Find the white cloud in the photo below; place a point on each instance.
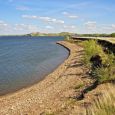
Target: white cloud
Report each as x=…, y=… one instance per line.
x=22, y=8
x=7, y=28
x=113, y=26
x=29, y=17
x=72, y=16
x=82, y=5
x=49, y=27
x=90, y=24
x=108, y=28
x=1, y=21
x=25, y=27
x=69, y=27
x=3, y=25
x=65, y=13
x=45, y=19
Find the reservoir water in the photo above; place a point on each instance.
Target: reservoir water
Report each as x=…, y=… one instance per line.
x=27, y=60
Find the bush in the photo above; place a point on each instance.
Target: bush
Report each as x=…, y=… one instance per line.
x=105, y=74
x=113, y=35
x=92, y=48
x=107, y=71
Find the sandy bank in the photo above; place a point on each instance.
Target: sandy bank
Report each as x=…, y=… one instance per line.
x=51, y=94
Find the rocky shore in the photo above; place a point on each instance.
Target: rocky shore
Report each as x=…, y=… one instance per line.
x=53, y=95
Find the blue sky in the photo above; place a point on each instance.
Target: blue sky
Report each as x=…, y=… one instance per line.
x=50, y=16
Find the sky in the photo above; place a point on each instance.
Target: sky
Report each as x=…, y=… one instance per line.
x=54, y=16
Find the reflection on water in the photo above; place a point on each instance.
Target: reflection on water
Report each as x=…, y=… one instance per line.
x=26, y=60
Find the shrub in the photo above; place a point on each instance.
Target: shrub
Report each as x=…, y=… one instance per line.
x=107, y=71
x=92, y=48
x=105, y=74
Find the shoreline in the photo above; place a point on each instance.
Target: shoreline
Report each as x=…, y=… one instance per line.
x=22, y=89
x=52, y=91
x=40, y=77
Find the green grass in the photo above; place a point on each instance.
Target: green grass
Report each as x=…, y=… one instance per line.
x=68, y=38
x=105, y=74
x=105, y=104
x=92, y=48
x=107, y=71
x=79, y=86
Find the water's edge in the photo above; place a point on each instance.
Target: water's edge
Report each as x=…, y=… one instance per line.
x=43, y=77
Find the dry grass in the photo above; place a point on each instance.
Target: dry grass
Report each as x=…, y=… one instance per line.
x=104, y=105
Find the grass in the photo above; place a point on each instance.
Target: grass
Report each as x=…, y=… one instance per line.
x=107, y=71
x=79, y=86
x=92, y=48
x=68, y=38
x=104, y=105
x=105, y=74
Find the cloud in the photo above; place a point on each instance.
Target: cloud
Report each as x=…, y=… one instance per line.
x=30, y=17
x=22, y=8
x=3, y=25
x=49, y=27
x=70, y=15
x=51, y=20
x=90, y=24
x=81, y=5
x=110, y=28
x=45, y=19
x=69, y=27
x=65, y=13
x=73, y=16
x=25, y=27
x=7, y=28
x=113, y=26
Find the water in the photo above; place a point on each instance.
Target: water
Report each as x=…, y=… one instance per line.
x=27, y=60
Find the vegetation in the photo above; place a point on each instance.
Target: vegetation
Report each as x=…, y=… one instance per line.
x=67, y=33
x=68, y=38
x=97, y=35
x=79, y=86
x=91, y=49
x=49, y=34
x=112, y=35
x=106, y=71
x=104, y=105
